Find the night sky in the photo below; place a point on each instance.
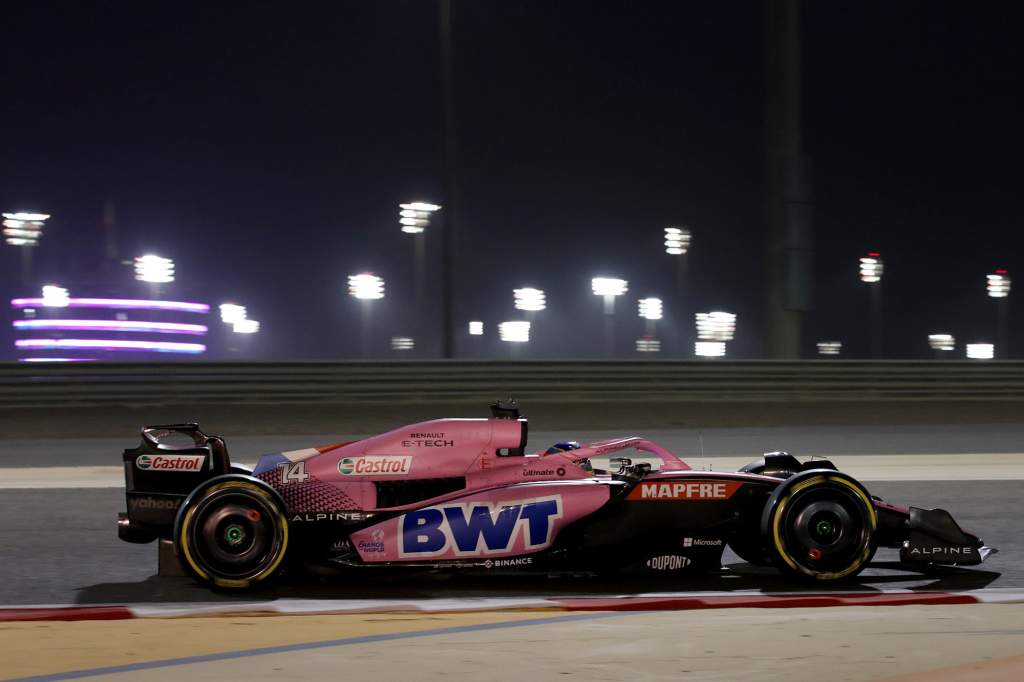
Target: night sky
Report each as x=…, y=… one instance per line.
x=265, y=147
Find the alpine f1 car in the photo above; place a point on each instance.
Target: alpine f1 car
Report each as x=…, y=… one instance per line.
x=464, y=494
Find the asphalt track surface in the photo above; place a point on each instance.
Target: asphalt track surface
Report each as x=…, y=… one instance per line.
x=61, y=547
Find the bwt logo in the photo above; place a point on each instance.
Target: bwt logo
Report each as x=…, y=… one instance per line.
x=479, y=528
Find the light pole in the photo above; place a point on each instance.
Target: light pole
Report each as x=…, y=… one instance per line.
x=713, y=330
x=677, y=244
x=414, y=218
x=871, y=267
x=998, y=286
x=608, y=288
x=941, y=343
x=529, y=300
x=649, y=309
x=366, y=287
x=24, y=229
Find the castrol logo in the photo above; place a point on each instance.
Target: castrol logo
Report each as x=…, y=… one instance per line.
x=190, y=463
x=375, y=466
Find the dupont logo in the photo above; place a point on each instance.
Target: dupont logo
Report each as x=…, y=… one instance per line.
x=668, y=562
x=685, y=490
x=171, y=462
x=377, y=466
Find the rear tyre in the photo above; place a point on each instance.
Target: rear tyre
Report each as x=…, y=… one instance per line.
x=820, y=525
x=232, y=533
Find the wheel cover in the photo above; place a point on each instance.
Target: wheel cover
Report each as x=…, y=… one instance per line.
x=234, y=535
x=824, y=528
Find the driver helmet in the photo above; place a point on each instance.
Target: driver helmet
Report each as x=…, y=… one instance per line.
x=563, y=446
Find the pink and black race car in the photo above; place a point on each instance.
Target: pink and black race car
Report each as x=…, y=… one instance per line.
x=464, y=494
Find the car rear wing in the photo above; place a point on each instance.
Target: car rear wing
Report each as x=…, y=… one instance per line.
x=168, y=464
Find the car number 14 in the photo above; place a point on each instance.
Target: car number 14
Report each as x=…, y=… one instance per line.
x=293, y=472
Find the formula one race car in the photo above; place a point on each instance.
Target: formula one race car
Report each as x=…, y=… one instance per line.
x=463, y=494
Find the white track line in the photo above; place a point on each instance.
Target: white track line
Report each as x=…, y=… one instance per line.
x=965, y=467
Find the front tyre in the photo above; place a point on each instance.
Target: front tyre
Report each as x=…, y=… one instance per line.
x=232, y=533
x=820, y=525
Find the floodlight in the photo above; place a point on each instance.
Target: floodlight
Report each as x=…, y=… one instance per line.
x=366, y=286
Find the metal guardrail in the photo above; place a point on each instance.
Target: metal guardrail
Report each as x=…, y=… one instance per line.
x=33, y=385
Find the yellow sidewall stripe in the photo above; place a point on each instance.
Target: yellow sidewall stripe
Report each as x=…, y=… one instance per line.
x=780, y=545
x=226, y=582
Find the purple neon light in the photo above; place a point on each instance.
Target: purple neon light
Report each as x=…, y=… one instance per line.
x=56, y=359
x=113, y=344
x=139, y=304
x=112, y=326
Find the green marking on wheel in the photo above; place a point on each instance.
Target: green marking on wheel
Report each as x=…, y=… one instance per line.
x=234, y=535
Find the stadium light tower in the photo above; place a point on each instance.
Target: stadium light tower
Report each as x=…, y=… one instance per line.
x=515, y=333
x=649, y=309
x=677, y=244
x=24, y=228
x=941, y=343
x=414, y=219
x=713, y=330
x=529, y=299
x=609, y=288
x=366, y=287
x=832, y=348
x=998, y=286
x=980, y=351
x=871, y=267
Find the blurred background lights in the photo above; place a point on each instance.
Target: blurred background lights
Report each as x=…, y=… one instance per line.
x=830, y=347
x=402, y=343
x=871, y=268
x=55, y=296
x=415, y=217
x=529, y=299
x=709, y=349
x=677, y=241
x=517, y=331
x=476, y=328
x=366, y=286
x=609, y=286
x=998, y=284
x=980, y=351
x=23, y=229
x=941, y=342
x=648, y=345
x=231, y=313
x=716, y=326
x=154, y=269
x=245, y=326
x=650, y=308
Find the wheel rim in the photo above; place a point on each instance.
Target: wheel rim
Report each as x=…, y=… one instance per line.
x=235, y=535
x=826, y=531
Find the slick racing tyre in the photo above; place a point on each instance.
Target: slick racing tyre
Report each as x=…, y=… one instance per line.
x=232, y=533
x=820, y=525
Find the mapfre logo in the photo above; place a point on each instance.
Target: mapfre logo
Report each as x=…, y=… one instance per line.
x=171, y=462
x=375, y=466
x=685, y=490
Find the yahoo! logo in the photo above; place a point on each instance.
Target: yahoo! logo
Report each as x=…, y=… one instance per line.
x=479, y=528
